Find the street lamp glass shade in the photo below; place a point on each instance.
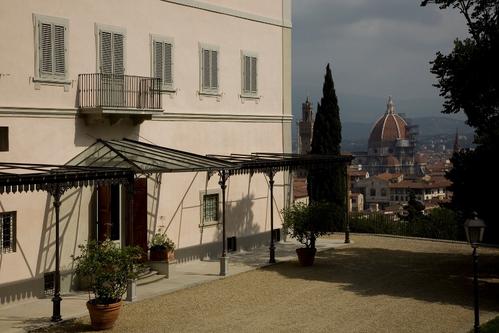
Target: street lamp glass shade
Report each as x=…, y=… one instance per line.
x=474, y=230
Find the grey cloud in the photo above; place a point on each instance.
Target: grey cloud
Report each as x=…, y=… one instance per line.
x=377, y=47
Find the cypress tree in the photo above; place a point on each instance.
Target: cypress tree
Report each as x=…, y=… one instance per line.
x=327, y=184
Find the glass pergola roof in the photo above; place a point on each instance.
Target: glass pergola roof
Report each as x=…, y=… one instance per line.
x=120, y=159
x=145, y=158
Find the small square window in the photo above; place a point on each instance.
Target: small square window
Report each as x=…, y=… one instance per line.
x=8, y=232
x=210, y=208
x=4, y=138
x=49, y=283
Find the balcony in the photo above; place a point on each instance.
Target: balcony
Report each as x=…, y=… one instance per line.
x=111, y=97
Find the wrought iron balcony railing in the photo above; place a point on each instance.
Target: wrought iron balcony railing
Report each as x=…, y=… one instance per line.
x=118, y=91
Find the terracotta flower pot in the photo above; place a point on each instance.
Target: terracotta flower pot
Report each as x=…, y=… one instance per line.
x=161, y=254
x=306, y=256
x=103, y=316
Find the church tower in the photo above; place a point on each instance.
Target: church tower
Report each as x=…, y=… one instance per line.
x=305, y=127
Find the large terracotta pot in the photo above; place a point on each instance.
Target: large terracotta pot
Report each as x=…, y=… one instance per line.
x=103, y=316
x=161, y=254
x=306, y=256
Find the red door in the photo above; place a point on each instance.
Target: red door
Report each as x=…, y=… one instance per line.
x=139, y=224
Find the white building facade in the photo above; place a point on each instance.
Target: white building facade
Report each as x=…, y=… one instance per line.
x=72, y=72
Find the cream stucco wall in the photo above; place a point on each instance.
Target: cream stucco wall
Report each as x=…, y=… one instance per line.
x=44, y=125
x=187, y=26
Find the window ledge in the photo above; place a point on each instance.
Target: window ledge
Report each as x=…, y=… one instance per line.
x=252, y=97
x=52, y=82
x=210, y=224
x=169, y=90
x=214, y=94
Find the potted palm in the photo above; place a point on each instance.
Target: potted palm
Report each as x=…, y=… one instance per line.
x=306, y=223
x=161, y=247
x=107, y=269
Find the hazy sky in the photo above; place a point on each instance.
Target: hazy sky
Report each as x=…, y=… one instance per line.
x=376, y=47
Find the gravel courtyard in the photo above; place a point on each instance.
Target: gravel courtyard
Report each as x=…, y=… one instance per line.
x=377, y=284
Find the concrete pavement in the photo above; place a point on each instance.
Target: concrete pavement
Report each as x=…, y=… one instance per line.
x=34, y=314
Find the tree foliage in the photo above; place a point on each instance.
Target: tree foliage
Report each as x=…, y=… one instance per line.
x=307, y=222
x=414, y=207
x=107, y=268
x=328, y=184
x=468, y=79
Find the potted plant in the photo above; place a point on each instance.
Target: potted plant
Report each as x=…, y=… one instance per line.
x=107, y=268
x=161, y=247
x=306, y=223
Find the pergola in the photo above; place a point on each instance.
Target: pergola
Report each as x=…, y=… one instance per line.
x=117, y=161
x=55, y=180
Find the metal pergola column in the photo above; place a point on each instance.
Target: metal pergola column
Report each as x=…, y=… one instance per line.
x=271, y=175
x=57, y=191
x=347, y=217
x=224, y=260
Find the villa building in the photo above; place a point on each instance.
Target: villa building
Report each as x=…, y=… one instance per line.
x=196, y=76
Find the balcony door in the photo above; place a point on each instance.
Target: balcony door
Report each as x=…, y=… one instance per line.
x=112, y=68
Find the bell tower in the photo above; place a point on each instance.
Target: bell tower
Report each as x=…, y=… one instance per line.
x=305, y=127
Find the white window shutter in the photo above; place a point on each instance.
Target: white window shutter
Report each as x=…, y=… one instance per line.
x=59, y=50
x=205, y=70
x=106, y=62
x=247, y=74
x=158, y=59
x=118, y=54
x=168, y=75
x=45, y=43
x=253, y=74
x=214, y=69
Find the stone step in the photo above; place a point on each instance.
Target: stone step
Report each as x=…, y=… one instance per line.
x=150, y=279
x=145, y=270
x=147, y=274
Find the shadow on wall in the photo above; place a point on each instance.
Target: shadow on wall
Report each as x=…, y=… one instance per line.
x=85, y=135
x=153, y=200
x=70, y=226
x=239, y=221
x=424, y=276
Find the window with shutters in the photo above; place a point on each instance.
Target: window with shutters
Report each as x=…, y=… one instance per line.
x=111, y=64
x=209, y=69
x=8, y=232
x=249, y=76
x=51, y=45
x=162, y=60
x=111, y=50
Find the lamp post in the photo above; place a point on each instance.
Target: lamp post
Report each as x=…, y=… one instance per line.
x=474, y=228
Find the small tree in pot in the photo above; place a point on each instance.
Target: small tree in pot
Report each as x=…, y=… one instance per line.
x=107, y=268
x=306, y=223
x=161, y=247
